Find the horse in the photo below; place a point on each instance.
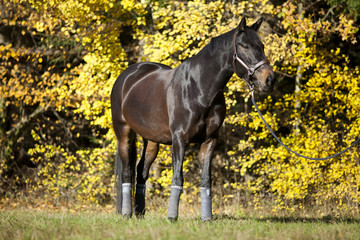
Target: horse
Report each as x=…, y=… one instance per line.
x=178, y=106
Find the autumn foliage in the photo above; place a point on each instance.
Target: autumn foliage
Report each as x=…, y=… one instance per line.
x=56, y=76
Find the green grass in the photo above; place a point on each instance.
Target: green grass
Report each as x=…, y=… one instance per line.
x=26, y=224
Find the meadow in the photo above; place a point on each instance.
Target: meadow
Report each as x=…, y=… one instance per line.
x=41, y=224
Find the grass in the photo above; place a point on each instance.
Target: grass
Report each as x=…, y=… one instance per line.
x=34, y=224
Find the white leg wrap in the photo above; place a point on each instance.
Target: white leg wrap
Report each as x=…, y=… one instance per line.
x=173, y=209
x=126, y=199
x=206, y=209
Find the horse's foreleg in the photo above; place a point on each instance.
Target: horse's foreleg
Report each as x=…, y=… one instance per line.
x=205, y=155
x=148, y=156
x=178, y=151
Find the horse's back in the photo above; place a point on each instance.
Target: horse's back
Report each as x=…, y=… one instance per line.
x=139, y=97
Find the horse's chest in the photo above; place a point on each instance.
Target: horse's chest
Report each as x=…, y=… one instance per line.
x=198, y=123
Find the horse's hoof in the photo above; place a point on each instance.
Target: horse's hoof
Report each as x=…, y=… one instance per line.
x=172, y=219
x=139, y=212
x=207, y=220
x=126, y=216
x=140, y=216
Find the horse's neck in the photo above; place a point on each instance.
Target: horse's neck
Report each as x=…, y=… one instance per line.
x=215, y=67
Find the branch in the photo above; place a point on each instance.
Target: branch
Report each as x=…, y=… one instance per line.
x=39, y=110
x=63, y=121
x=284, y=74
x=328, y=12
x=15, y=130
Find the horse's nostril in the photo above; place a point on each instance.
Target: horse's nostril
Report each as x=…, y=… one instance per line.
x=268, y=81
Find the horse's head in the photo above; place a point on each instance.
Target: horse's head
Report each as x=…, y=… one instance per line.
x=249, y=61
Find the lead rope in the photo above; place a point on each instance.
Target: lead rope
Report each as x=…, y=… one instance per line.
x=297, y=154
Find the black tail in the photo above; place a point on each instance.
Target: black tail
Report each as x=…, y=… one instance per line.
x=118, y=181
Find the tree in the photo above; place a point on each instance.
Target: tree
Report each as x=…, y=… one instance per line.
x=30, y=84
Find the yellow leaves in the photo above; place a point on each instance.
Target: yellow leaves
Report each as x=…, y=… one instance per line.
x=129, y=4
x=35, y=137
x=347, y=29
x=189, y=25
x=40, y=26
x=82, y=174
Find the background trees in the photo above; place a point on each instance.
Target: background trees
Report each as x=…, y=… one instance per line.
x=59, y=60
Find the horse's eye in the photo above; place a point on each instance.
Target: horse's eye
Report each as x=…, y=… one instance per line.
x=243, y=45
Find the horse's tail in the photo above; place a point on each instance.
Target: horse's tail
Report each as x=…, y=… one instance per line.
x=118, y=181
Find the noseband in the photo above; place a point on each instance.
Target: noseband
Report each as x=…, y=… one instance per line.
x=250, y=70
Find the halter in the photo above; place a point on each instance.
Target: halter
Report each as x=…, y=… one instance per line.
x=250, y=70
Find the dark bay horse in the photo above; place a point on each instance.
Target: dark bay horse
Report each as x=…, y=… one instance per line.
x=180, y=106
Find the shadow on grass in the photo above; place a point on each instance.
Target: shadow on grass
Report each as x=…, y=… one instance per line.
x=325, y=219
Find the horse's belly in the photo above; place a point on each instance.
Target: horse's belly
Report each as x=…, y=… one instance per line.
x=148, y=128
x=144, y=109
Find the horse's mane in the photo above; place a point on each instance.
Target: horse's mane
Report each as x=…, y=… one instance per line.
x=219, y=43
x=222, y=41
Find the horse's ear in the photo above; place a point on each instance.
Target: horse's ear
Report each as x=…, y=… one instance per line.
x=257, y=25
x=242, y=25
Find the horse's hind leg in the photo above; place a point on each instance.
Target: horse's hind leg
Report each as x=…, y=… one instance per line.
x=127, y=153
x=149, y=154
